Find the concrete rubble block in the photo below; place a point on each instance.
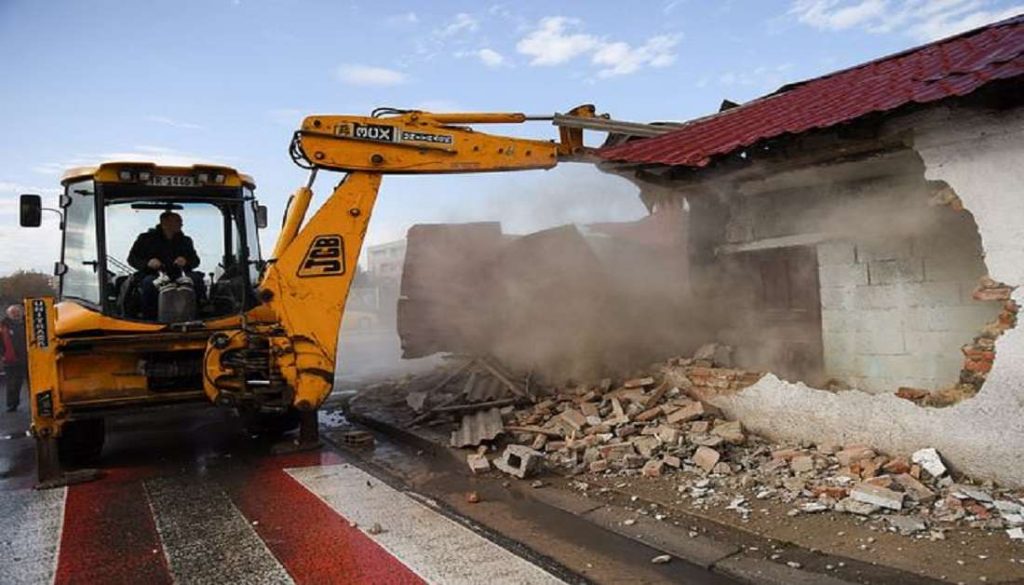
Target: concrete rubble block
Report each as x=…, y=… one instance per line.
x=415, y=400
x=878, y=496
x=672, y=461
x=852, y=506
x=914, y=489
x=598, y=466
x=668, y=435
x=520, y=461
x=638, y=382
x=973, y=493
x=589, y=409
x=478, y=463
x=907, y=524
x=930, y=461
x=706, y=458
x=855, y=453
x=802, y=463
x=721, y=468
x=653, y=468
x=704, y=440
x=731, y=432
x=700, y=426
x=646, y=446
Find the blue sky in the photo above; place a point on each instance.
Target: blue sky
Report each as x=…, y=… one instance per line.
x=229, y=80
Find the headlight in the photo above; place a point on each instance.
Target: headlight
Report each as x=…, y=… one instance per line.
x=124, y=175
x=145, y=176
x=203, y=178
x=219, y=178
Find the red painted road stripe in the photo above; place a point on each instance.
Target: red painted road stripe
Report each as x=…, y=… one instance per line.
x=311, y=540
x=109, y=535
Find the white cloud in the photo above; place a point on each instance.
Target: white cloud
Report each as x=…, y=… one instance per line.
x=174, y=123
x=837, y=15
x=557, y=40
x=924, y=20
x=462, y=22
x=366, y=76
x=622, y=59
x=490, y=57
x=551, y=44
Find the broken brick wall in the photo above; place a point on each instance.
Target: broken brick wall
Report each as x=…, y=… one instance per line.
x=893, y=301
x=565, y=302
x=977, y=154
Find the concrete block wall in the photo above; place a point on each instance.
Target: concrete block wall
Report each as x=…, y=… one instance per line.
x=895, y=312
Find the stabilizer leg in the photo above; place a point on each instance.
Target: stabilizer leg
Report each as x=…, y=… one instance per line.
x=309, y=435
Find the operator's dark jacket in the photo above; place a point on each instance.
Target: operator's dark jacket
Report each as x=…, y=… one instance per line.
x=153, y=244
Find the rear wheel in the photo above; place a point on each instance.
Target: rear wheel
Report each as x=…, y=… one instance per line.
x=81, y=441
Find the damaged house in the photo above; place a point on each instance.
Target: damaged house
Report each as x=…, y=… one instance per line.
x=857, y=240
x=863, y=233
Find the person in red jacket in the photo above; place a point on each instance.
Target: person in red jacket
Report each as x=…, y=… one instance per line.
x=12, y=335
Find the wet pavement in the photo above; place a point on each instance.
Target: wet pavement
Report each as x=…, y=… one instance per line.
x=188, y=497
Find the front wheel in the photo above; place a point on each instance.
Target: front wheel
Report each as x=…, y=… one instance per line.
x=81, y=441
x=271, y=425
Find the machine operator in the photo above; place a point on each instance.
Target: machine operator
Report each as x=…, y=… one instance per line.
x=164, y=249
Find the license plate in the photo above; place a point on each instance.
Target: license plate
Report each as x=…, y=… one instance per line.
x=172, y=181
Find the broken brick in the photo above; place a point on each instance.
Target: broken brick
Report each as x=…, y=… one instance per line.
x=649, y=414
x=912, y=394
x=854, y=453
x=574, y=419
x=652, y=468
x=731, y=432
x=706, y=458
x=687, y=413
x=897, y=466
x=639, y=382
x=914, y=489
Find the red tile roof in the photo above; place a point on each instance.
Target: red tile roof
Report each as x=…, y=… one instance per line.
x=949, y=67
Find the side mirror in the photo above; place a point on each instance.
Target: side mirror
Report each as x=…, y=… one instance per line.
x=261, y=216
x=31, y=207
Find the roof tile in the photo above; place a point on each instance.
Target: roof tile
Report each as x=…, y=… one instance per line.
x=950, y=67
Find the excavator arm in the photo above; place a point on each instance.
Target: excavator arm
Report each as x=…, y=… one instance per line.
x=307, y=280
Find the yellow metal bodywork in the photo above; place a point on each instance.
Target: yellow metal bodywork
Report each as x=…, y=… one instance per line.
x=314, y=261
x=89, y=360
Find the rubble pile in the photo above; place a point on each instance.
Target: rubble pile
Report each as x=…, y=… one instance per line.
x=660, y=425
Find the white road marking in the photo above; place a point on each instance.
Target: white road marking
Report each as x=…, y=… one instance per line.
x=205, y=537
x=433, y=546
x=30, y=527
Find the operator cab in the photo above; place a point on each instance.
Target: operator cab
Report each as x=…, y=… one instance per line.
x=107, y=208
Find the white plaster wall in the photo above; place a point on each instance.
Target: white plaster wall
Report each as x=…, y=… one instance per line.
x=979, y=156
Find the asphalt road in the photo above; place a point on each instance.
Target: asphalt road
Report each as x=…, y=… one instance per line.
x=188, y=497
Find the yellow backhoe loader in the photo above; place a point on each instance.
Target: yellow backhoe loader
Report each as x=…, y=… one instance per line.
x=251, y=334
